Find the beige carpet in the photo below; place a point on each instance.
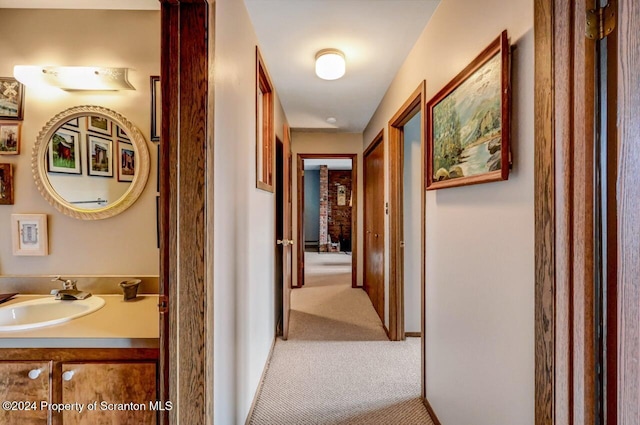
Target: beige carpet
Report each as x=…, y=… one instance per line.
x=338, y=366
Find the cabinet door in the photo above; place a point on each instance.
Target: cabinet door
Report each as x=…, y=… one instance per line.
x=24, y=382
x=122, y=393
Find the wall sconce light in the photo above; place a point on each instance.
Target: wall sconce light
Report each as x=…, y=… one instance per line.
x=73, y=77
x=330, y=64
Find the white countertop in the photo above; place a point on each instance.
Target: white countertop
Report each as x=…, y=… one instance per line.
x=119, y=324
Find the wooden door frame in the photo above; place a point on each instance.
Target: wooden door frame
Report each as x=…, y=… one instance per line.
x=414, y=104
x=354, y=211
x=287, y=231
x=564, y=197
x=377, y=141
x=186, y=208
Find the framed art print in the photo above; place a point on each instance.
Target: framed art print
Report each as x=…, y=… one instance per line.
x=11, y=99
x=29, y=234
x=6, y=184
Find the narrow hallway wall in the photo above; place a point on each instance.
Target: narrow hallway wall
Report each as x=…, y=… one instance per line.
x=244, y=239
x=480, y=239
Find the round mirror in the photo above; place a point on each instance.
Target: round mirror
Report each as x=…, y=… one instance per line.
x=90, y=162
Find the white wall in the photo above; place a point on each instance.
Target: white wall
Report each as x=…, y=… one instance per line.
x=323, y=142
x=480, y=239
x=244, y=236
x=82, y=37
x=412, y=226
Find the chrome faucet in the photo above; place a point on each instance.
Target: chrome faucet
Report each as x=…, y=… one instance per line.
x=66, y=284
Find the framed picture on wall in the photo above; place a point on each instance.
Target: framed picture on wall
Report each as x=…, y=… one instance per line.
x=156, y=108
x=468, y=124
x=100, y=125
x=29, y=234
x=99, y=156
x=6, y=184
x=63, y=152
x=126, y=162
x=11, y=99
x=10, y=137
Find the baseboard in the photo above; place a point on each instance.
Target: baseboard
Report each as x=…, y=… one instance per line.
x=413, y=334
x=433, y=415
x=259, y=389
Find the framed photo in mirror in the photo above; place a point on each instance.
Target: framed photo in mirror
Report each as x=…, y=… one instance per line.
x=11, y=99
x=6, y=184
x=10, y=137
x=126, y=162
x=29, y=234
x=63, y=152
x=120, y=133
x=99, y=156
x=99, y=124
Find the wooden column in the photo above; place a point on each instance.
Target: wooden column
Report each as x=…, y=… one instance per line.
x=186, y=210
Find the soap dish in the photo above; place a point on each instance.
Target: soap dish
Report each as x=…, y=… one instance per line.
x=130, y=288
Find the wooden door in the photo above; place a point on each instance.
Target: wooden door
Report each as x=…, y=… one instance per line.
x=374, y=211
x=24, y=382
x=114, y=386
x=287, y=252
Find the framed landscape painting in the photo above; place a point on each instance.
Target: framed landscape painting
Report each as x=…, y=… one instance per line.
x=468, y=124
x=63, y=153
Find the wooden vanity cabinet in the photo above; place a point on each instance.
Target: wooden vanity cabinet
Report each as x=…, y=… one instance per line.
x=119, y=381
x=23, y=386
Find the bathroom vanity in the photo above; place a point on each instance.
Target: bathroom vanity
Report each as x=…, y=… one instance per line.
x=100, y=368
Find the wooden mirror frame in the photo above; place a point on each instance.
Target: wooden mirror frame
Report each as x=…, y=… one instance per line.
x=39, y=164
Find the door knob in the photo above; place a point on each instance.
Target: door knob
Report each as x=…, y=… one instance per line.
x=34, y=373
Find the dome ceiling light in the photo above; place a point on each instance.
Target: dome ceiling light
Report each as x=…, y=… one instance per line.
x=330, y=64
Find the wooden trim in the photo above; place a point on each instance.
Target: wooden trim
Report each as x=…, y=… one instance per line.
x=261, y=383
x=354, y=211
x=374, y=143
x=431, y=412
x=186, y=195
x=300, y=218
x=413, y=334
x=628, y=215
x=413, y=105
x=79, y=354
x=267, y=143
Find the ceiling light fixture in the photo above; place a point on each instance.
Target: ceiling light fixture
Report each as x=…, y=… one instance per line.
x=332, y=120
x=330, y=64
x=73, y=77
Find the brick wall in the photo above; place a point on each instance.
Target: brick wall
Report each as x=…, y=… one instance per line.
x=324, y=207
x=339, y=220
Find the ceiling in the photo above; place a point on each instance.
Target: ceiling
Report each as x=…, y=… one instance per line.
x=375, y=36
x=331, y=163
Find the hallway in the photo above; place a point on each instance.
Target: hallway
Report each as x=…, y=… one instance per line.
x=338, y=366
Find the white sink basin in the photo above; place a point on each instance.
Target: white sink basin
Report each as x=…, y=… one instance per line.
x=45, y=312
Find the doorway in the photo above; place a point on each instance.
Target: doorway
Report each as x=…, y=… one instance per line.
x=406, y=196
x=327, y=212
